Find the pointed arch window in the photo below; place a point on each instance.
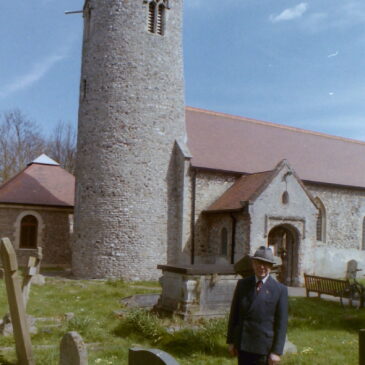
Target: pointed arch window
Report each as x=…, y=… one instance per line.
x=321, y=221
x=28, y=232
x=224, y=242
x=157, y=16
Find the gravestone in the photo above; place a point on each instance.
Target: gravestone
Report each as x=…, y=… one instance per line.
x=138, y=356
x=352, y=270
x=16, y=304
x=31, y=272
x=73, y=350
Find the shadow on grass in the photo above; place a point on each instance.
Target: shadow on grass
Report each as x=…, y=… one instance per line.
x=316, y=313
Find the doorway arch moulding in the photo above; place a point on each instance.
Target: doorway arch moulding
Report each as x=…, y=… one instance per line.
x=272, y=221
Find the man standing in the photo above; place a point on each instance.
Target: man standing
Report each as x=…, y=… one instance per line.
x=259, y=315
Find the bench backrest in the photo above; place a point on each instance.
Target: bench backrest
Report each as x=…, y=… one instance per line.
x=326, y=285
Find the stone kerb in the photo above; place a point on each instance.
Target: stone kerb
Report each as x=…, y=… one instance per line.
x=73, y=350
x=138, y=356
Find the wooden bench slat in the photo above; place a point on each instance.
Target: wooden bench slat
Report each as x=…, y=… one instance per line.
x=323, y=285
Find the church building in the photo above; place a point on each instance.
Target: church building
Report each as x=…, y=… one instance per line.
x=161, y=183
x=158, y=183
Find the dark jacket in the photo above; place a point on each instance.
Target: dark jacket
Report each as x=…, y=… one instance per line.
x=258, y=321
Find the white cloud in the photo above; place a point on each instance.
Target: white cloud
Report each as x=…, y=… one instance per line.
x=333, y=54
x=290, y=13
x=37, y=71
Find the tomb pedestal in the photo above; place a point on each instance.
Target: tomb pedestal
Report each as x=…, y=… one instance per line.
x=196, y=291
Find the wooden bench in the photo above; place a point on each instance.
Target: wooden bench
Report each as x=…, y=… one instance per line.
x=322, y=285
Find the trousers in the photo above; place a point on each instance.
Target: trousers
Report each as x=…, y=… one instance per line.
x=248, y=358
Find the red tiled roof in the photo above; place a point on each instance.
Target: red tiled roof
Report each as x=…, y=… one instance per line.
x=40, y=184
x=230, y=143
x=243, y=190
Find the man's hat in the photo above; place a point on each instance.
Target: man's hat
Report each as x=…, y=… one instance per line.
x=264, y=254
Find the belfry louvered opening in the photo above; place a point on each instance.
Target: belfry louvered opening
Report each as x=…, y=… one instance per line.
x=156, y=16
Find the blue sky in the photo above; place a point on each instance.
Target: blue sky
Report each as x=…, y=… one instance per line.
x=289, y=62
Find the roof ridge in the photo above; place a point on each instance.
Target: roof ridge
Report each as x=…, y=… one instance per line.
x=6, y=182
x=275, y=125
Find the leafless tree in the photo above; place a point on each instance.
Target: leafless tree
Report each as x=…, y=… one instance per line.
x=20, y=142
x=61, y=145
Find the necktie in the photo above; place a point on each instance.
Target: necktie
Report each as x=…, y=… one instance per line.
x=259, y=285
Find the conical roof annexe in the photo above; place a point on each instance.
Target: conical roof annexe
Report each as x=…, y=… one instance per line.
x=43, y=182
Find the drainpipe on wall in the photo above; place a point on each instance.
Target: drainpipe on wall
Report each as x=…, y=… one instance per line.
x=192, y=228
x=234, y=223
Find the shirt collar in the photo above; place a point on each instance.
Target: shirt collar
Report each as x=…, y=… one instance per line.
x=263, y=280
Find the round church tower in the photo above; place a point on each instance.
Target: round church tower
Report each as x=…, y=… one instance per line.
x=131, y=112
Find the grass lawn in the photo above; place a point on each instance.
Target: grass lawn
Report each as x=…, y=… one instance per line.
x=324, y=332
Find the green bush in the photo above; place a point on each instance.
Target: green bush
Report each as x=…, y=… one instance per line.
x=208, y=338
x=80, y=324
x=143, y=324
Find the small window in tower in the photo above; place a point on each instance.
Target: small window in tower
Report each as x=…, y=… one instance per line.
x=28, y=232
x=84, y=89
x=156, y=16
x=151, y=17
x=161, y=19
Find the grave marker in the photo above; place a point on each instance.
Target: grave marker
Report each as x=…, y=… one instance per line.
x=16, y=303
x=138, y=356
x=32, y=269
x=351, y=270
x=73, y=350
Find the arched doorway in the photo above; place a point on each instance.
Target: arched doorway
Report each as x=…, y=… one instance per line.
x=283, y=240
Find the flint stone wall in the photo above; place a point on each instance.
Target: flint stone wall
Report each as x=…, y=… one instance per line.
x=209, y=186
x=53, y=233
x=345, y=212
x=132, y=110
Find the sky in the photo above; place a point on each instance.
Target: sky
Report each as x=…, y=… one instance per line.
x=298, y=63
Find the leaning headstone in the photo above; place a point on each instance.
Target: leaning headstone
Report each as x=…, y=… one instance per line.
x=73, y=350
x=138, y=356
x=351, y=269
x=38, y=278
x=16, y=303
